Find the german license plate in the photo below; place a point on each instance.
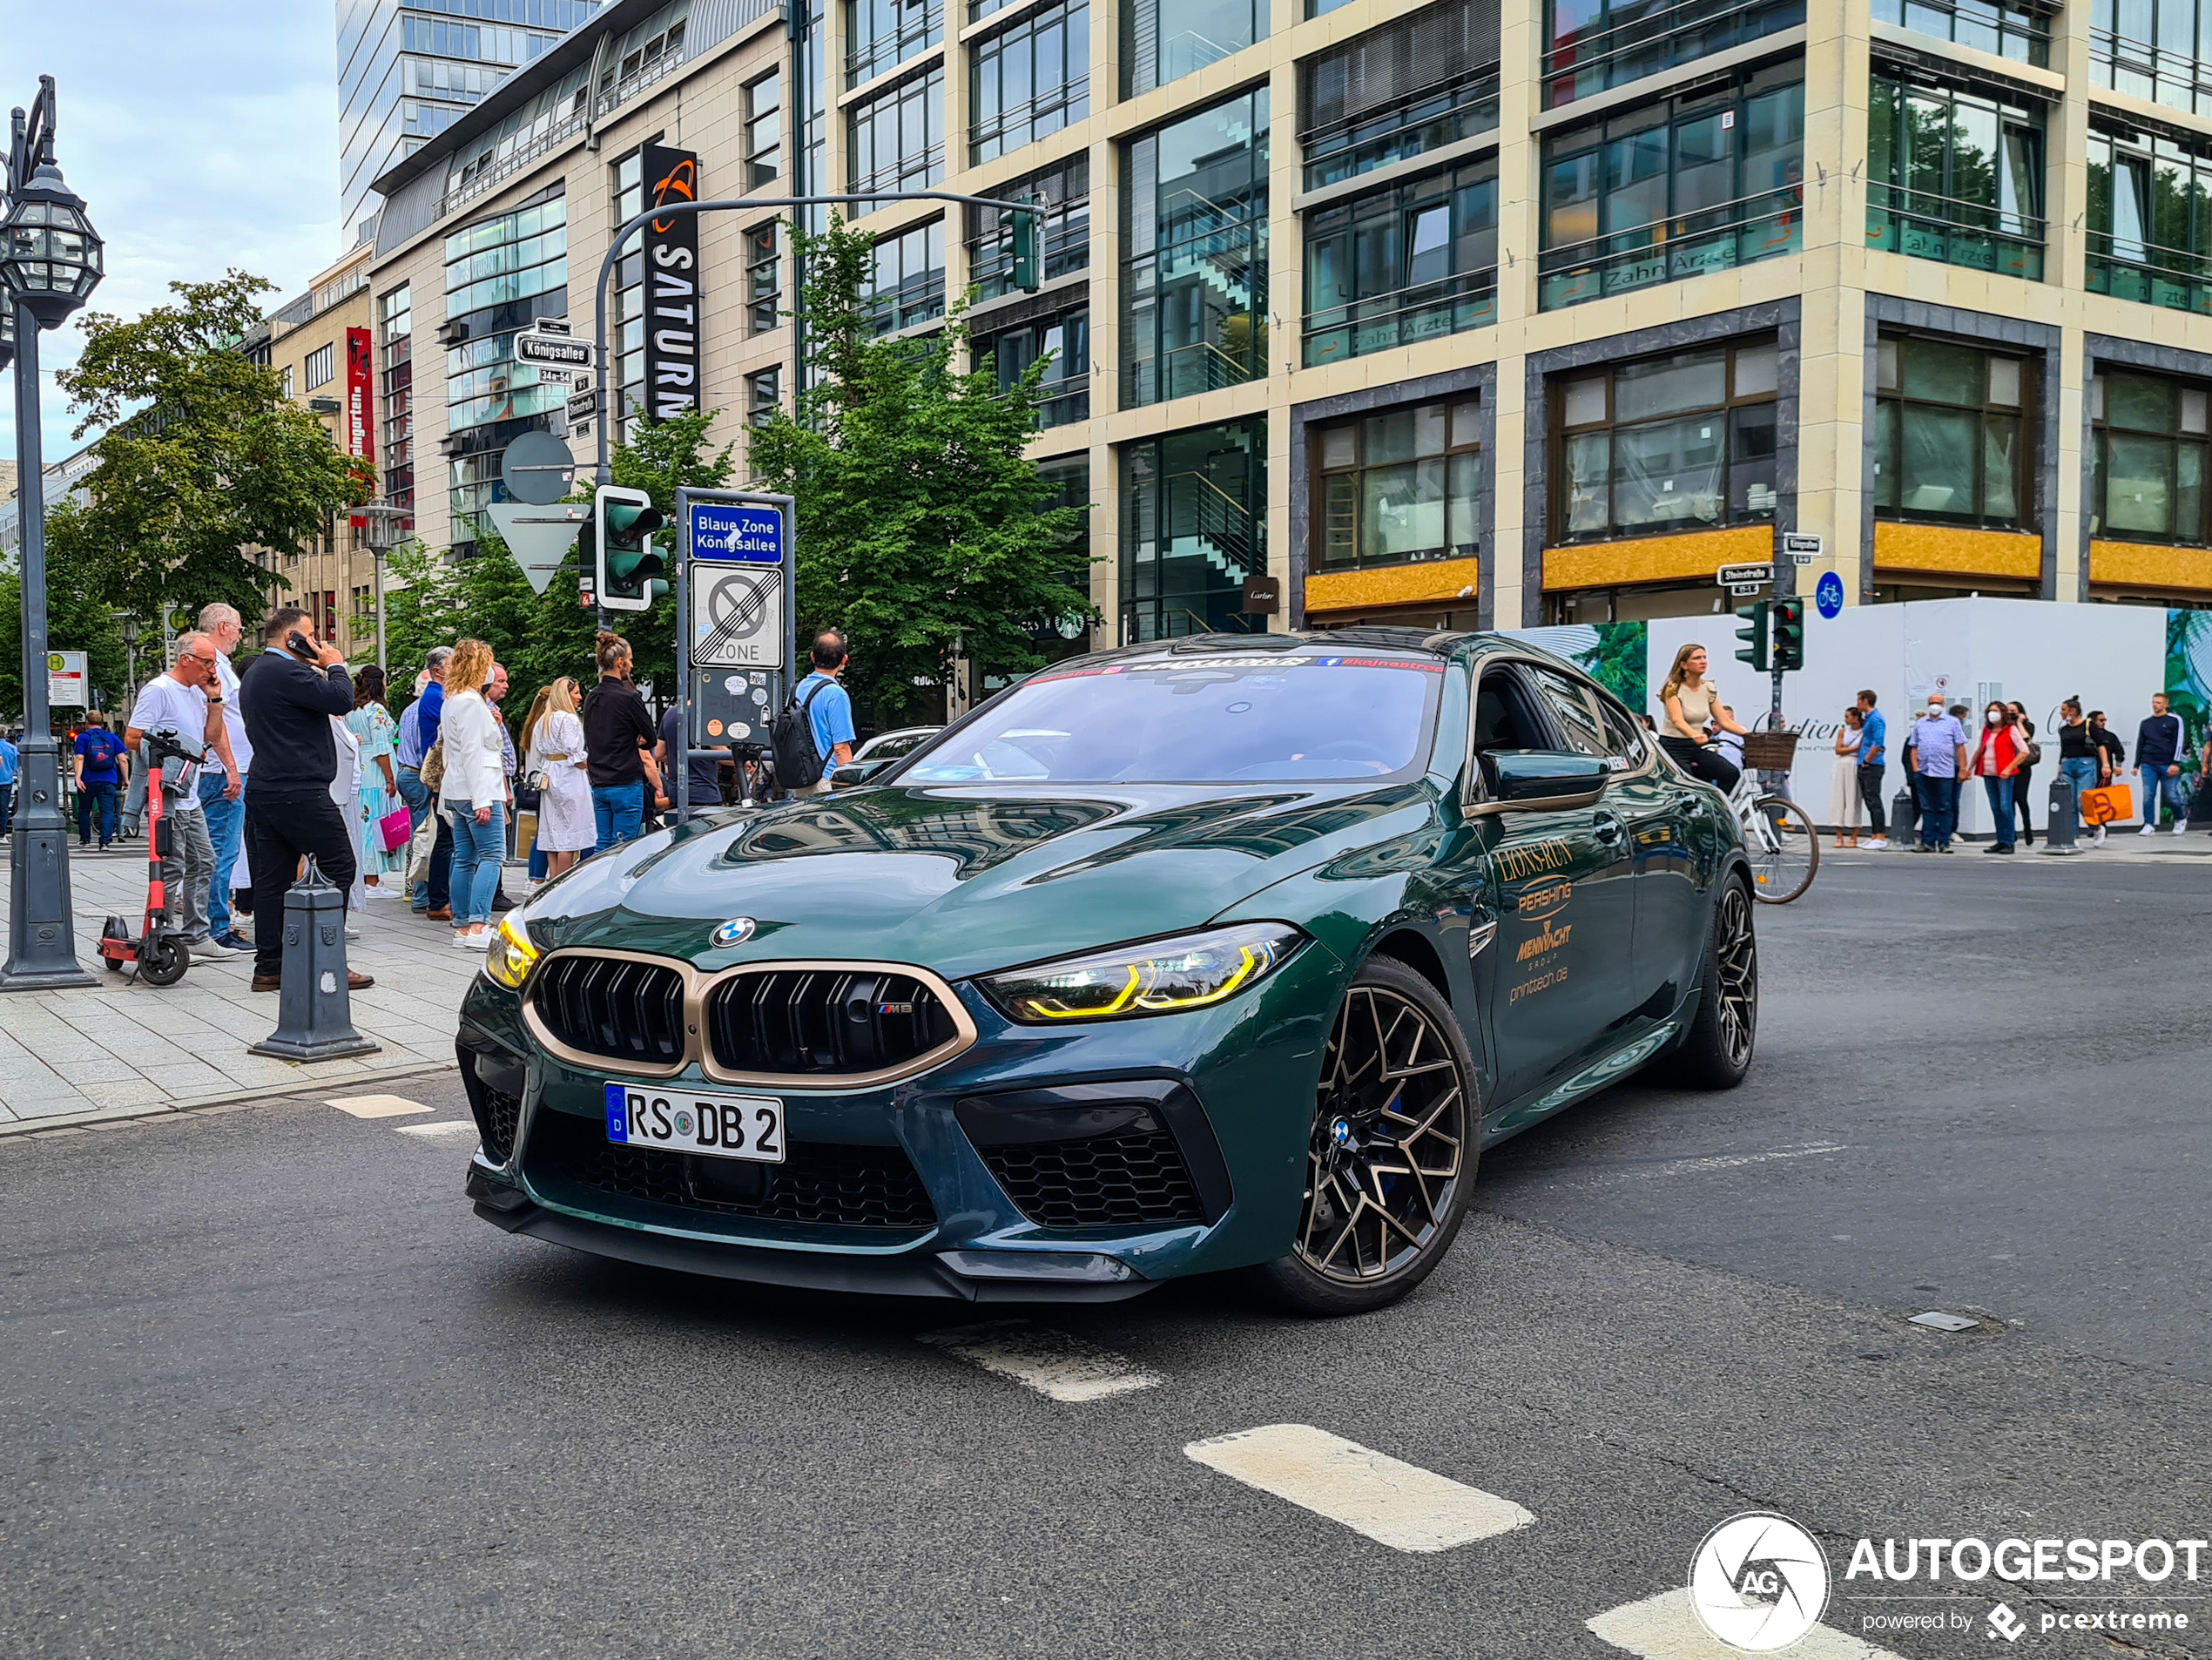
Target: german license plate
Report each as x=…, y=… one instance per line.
x=713, y=1126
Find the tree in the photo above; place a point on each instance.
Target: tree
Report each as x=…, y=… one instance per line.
x=922, y=524
x=77, y=620
x=202, y=457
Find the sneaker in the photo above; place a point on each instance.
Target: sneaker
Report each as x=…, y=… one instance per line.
x=1945, y=848
x=2100, y=836
x=472, y=941
x=234, y=941
x=2004, y=847
x=208, y=951
x=1997, y=846
x=2181, y=826
x=1876, y=843
x=2148, y=830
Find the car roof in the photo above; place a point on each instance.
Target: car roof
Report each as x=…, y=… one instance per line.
x=1415, y=642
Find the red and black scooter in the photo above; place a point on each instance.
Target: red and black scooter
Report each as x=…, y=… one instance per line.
x=159, y=950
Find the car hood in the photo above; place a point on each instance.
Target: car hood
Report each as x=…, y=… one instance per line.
x=963, y=880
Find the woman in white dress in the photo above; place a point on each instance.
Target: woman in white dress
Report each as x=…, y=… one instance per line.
x=553, y=745
x=1844, y=800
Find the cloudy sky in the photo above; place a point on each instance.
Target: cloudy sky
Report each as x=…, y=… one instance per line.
x=202, y=134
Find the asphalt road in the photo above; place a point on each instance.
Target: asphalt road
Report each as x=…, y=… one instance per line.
x=270, y=1390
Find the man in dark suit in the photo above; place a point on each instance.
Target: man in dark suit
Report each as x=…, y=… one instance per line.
x=289, y=696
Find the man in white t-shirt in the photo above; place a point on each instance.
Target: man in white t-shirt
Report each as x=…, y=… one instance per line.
x=222, y=787
x=181, y=701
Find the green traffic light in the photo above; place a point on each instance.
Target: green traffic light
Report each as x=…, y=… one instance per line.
x=1753, y=634
x=630, y=568
x=1027, y=228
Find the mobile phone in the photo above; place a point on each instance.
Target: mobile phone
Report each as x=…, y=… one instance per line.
x=297, y=645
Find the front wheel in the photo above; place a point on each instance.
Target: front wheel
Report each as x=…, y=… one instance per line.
x=1784, y=849
x=163, y=960
x=1390, y=1163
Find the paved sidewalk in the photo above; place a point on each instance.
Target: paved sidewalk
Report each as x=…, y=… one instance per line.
x=121, y=1049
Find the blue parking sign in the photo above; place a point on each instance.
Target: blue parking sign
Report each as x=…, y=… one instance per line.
x=734, y=534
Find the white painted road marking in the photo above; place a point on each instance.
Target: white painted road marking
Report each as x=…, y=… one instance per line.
x=1664, y=1628
x=1050, y=1362
x=376, y=1106
x=1722, y=1161
x=438, y=1131
x=1396, y=1504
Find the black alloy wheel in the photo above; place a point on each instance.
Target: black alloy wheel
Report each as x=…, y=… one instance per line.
x=1716, y=1053
x=1390, y=1164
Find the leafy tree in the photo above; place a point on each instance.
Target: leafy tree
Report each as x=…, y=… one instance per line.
x=922, y=522
x=77, y=620
x=202, y=457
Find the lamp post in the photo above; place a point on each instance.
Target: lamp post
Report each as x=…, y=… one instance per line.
x=131, y=656
x=50, y=260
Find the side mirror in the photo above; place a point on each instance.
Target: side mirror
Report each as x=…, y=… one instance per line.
x=852, y=774
x=1530, y=778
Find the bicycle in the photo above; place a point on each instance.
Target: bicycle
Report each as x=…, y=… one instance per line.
x=1784, y=846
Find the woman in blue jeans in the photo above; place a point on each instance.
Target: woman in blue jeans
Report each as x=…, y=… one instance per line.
x=618, y=739
x=2082, y=762
x=473, y=793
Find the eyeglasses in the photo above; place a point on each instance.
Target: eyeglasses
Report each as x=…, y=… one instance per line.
x=208, y=661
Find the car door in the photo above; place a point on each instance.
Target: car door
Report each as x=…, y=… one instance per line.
x=1564, y=901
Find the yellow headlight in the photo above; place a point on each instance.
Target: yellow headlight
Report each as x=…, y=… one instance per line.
x=1162, y=978
x=508, y=957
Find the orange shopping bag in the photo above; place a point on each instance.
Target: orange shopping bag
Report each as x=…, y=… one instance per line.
x=2108, y=805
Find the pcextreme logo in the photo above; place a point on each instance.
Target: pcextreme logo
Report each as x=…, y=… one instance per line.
x=1758, y=1582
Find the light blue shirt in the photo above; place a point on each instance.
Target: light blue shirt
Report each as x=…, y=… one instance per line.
x=10, y=762
x=830, y=714
x=1872, y=747
x=1938, y=738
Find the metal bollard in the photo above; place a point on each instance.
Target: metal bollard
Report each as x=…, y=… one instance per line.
x=2064, y=817
x=314, y=1007
x=1905, y=819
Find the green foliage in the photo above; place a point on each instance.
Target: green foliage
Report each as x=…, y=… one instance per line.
x=77, y=620
x=2188, y=669
x=1616, y=662
x=921, y=519
x=203, y=457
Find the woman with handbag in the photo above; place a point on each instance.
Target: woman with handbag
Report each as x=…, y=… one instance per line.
x=2024, y=781
x=383, y=821
x=553, y=742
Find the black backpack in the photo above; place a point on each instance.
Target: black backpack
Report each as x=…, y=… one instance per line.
x=799, y=764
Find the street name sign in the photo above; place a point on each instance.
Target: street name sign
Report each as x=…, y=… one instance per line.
x=733, y=533
x=583, y=406
x=1803, y=547
x=1750, y=574
x=542, y=350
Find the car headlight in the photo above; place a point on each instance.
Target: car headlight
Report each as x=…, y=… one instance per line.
x=508, y=957
x=1158, y=977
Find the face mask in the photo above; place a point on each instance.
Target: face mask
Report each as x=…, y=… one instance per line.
x=1995, y=720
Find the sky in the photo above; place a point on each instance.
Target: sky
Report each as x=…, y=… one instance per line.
x=202, y=134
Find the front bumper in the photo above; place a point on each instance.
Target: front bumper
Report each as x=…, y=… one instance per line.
x=1204, y=1118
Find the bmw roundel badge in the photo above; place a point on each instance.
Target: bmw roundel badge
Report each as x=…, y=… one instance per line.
x=736, y=931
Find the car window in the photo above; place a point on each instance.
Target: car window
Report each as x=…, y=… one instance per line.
x=1502, y=717
x=1630, y=742
x=1576, y=714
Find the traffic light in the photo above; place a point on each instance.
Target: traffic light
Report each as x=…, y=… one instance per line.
x=1789, y=634
x=631, y=572
x=1753, y=633
x=1028, y=228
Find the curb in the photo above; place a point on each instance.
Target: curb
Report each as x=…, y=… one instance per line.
x=77, y=1122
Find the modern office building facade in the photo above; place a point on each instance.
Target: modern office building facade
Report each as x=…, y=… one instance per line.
x=1475, y=312
x=408, y=68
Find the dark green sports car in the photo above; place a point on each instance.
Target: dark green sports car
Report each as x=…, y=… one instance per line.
x=1224, y=952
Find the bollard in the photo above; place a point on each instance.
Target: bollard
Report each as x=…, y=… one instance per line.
x=1905, y=819
x=314, y=1007
x=2063, y=818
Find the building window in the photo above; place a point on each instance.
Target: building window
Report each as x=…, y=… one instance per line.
x=284, y=382
x=2154, y=49
x=1591, y=45
x=2150, y=223
x=1402, y=265
x=395, y=324
x=1955, y=175
x=1408, y=87
x=1950, y=433
x=1064, y=393
x=1194, y=525
x=764, y=280
x=909, y=282
x=321, y=367
x=1675, y=188
x=513, y=257
x=501, y=274
x=882, y=34
x=1680, y=443
x=763, y=132
x=1029, y=80
x=763, y=396
x=1161, y=45
x=2021, y=33
x=1064, y=191
x=896, y=141
x=1194, y=235
x=1398, y=488
x=2147, y=471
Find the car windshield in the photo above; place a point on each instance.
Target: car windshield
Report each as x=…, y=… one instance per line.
x=1196, y=720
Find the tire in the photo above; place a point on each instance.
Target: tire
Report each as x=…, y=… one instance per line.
x=1716, y=1051
x=163, y=962
x=1394, y=1042
x=1779, y=876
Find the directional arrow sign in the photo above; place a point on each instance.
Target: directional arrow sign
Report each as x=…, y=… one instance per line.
x=540, y=537
x=554, y=351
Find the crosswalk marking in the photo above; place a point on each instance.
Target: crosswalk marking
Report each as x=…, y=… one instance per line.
x=1664, y=1628
x=439, y=1132
x=1394, y=1503
x=376, y=1106
x=1052, y=1363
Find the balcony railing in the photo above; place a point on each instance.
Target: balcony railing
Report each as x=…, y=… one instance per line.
x=993, y=134
x=2154, y=276
x=1435, y=116
x=1071, y=402
x=2019, y=32
x=1973, y=235
x=1425, y=311
x=1763, y=226
x=2140, y=70
x=1645, y=45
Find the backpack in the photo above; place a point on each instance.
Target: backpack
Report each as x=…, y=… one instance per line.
x=799, y=764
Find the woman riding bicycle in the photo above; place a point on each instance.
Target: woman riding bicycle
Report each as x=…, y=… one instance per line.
x=1694, y=716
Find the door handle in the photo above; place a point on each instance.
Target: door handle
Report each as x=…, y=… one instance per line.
x=1607, y=830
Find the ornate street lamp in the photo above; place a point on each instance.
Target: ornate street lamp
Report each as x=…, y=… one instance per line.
x=50, y=260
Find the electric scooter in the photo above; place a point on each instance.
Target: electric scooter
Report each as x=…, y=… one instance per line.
x=159, y=951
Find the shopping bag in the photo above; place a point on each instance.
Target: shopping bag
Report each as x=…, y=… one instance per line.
x=393, y=827
x=419, y=850
x=2108, y=805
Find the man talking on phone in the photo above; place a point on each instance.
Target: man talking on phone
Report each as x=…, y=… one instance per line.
x=290, y=694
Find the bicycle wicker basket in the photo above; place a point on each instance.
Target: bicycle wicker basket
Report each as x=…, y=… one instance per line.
x=1769, y=751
